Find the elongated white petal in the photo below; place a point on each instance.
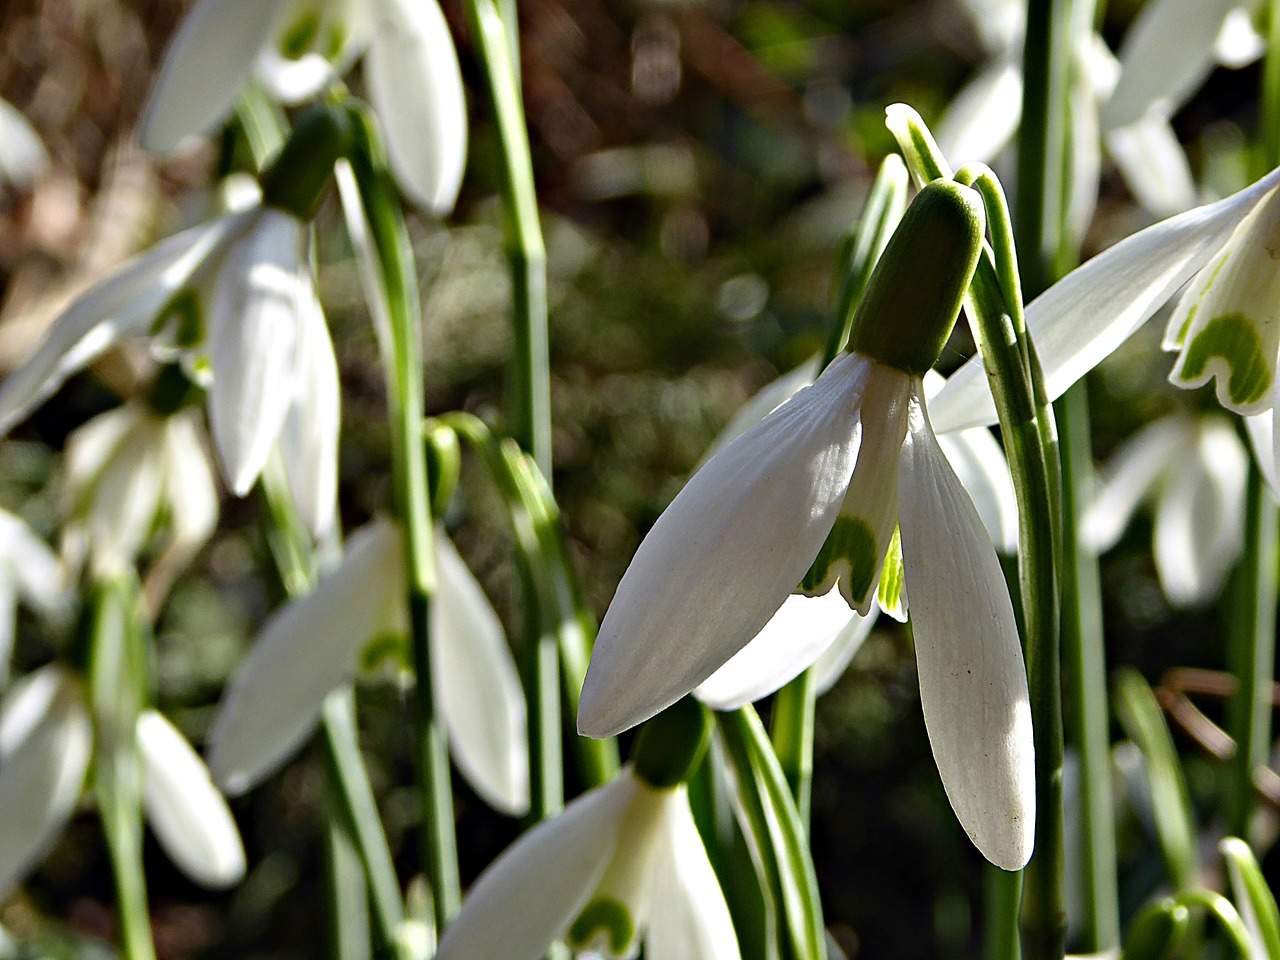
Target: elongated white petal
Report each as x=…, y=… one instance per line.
x=22, y=154
x=979, y=462
x=1261, y=430
x=186, y=811
x=1086, y=153
x=45, y=740
x=984, y=115
x=688, y=917
x=1166, y=55
x=416, y=87
x=477, y=686
x=973, y=684
x=303, y=651
x=1078, y=321
x=768, y=399
x=725, y=554
x=309, y=437
x=191, y=493
x=34, y=567
x=126, y=495
x=1130, y=475
x=124, y=304
x=530, y=894
x=1154, y=165
x=799, y=633
x=253, y=343
x=1199, y=526
x=830, y=667
x=205, y=68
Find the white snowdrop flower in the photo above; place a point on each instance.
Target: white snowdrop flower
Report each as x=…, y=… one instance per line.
x=22, y=154
x=29, y=572
x=298, y=47
x=1226, y=324
x=811, y=496
x=313, y=644
x=621, y=864
x=1196, y=470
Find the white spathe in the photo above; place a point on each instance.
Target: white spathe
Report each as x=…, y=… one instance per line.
x=312, y=645
x=626, y=843
x=298, y=47
x=748, y=527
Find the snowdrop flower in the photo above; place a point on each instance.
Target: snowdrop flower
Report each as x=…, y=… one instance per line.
x=1196, y=469
x=46, y=741
x=313, y=645
x=298, y=47
x=621, y=863
x=123, y=471
x=811, y=496
x=28, y=571
x=1225, y=325
x=233, y=301
x=22, y=154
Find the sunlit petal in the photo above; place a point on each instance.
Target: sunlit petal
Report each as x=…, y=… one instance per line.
x=1129, y=477
x=984, y=115
x=416, y=87
x=1261, y=430
x=303, y=651
x=1085, y=161
x=186, y=811
x=205, y=68
x=529, y=895
x=973, y=684
x=1239, y=43
x=725, y=555
x=125, y=499
x=979, y=462
x=34, y=566
x=477, y=686
x=1082, y=318
x=830, y=667
x=799, y=633
x=1154, y=165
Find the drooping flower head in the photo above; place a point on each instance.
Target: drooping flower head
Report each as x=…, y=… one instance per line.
x=809, y=499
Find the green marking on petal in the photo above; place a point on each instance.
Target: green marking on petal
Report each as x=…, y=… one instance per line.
x=183, y=313
x=1191, y=314
x=386, y=648
x=889, y=593
x=850, y=543
x=299, y=37
x=607, y=916
x=335, y=39
x=1233, y=338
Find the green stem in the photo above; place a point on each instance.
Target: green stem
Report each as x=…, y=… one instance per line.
x=1251, y=653
x=1002, y=890
x=1269, y=101
x=1222, y=910
x=348, y=893
x=1084, y=669
x=791, y=731
x=117, y=680
x=395, y=303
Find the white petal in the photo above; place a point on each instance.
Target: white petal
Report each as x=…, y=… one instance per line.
x=42, y=771
x=1084, y=316
x=477, y=686
x=530, y=894
x=1085, y=147
x=192, y=496
x=1000, y=23
x=22, y=154
x=8, y=621
x=125, y=498
x=205, y=68
x=1166, y=55
x=186, y=811
x=830, y=667
x=1154, y=165
x=253, y=343
x=979, y=462
x=1261, y=431
x=984, y=115
x=1239, y=43
x=1130, y=475
x=304, y=650
x=294, y=81
x=416, y=87
x=725, y=554
x=688, y=918
x=309, y=437
x=973, y=684
x=124, y=304
x=1199, y=526
x=34, y=566
x=764, y=402
x=799, y=633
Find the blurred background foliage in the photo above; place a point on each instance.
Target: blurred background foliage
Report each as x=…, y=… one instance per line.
x=698, y=164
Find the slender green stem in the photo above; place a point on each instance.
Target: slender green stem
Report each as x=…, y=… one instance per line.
x=1002, y=891
x=348, y=893
x=117, y=680
x=1269, y=105
x=1222, y=910
x=792, y=734
x=1251, y=653
x=395, y=303
x=1084, y=669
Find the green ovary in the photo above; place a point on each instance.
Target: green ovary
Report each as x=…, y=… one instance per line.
x=850, y=542
x=607, y=916
x=1233, y=338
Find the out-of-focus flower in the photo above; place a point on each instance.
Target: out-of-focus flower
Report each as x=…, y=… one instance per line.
x=623, y=862
x=313, y=645
x=29, y=571
x=46, y=740
x=22, y=155
x=1225, y=324
x=233, y=301
x=297, y=47
x=1196, y=470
